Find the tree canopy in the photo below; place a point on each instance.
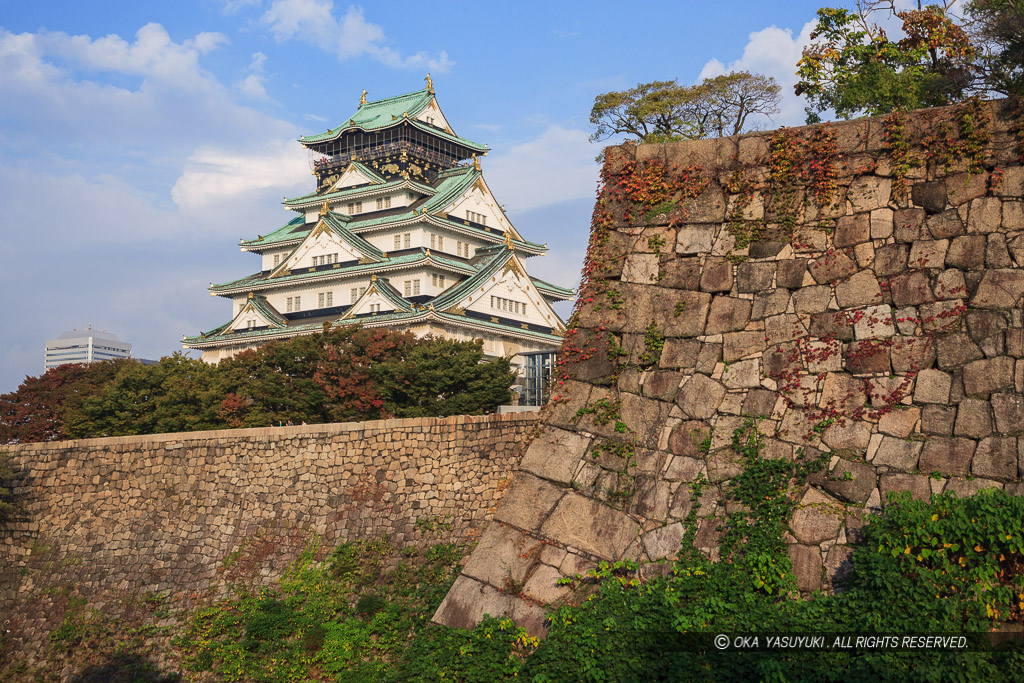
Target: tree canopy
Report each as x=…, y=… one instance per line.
x=661, y=111
x=854, y=68
x=346, y=373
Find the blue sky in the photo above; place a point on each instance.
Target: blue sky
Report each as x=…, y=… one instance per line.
x=140, y=140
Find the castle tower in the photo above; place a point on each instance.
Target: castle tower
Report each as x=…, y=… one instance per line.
x=402, y=231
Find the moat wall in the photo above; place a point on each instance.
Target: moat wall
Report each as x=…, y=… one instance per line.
x=186, y=515
x=855, y=286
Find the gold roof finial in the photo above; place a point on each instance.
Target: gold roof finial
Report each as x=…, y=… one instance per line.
x=373, y=278
x=430, y=83
x=250, y=295
x=508, y=241
x=476, y=163
x=325, y=208
x=362, y=98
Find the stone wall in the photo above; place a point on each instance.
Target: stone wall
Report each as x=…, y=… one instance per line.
x=856, y=286
x=185, y=515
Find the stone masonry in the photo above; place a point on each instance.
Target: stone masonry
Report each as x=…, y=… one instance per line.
x=186, y=515
x=856, y=286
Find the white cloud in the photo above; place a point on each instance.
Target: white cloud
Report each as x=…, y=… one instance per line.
x=556, y=166
x=772, y=51
x=254, y=84
x=214, y=175
x=347, y=36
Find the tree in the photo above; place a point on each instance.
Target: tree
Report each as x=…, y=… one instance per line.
x=36, y=410
x=854, y=68
x=664, y=110
x=175, y=395
x=443, y=377
x=997, y=30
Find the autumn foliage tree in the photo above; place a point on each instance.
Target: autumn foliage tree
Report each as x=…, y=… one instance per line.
x=346, y=373
x=853, y=67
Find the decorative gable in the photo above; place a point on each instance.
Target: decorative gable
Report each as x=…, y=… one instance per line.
x=477, y=205
x=378, y=298
x=325, y=246
x=354, y=175
x=256, y=313
x=511, y=296
x=432, y=114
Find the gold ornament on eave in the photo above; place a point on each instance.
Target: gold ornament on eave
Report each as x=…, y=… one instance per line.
x=430, y=83
x=362, y=98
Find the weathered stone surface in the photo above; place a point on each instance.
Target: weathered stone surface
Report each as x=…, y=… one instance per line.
x=907, y=224
x=695, y=239
x=680, y=273
x=811, y=299
x=505, y=556
x=936, y=419
x=928, y=254
x=956, y=350
x=985, y=215
x=931, y=196
x=736, y=345
x=806, y=561
x=662, y=384
x=640, y=268
x=982, y=377
x=716, y=276
x=869, y=192
x=910, y=354
x=744, y=374
x=838, y=567
x=898, y=454
x=767, y=304
x=851, y=480
x=591, y=526
x=874, y=322
x=950, y=284
x=860, y=289
x=966, y=252
x=949, y=457
x=469, y=600
x=754, y=277
x=680, y=353
x=996, y=458
x=700, y=396
x=932, y=387
x=866, y=357
x=528, y=502
x=1009, y=412
x=890, y=259
x=945, y=225
x=900, y=422
x=973, y=419
x=911, y=289
x=664, y=542
x=684, y=313
x=554, y=454
x=790, y=273
x=851, y=230
x=728, y=314
x=831, y=267
x=847, y=435
x=917, y=484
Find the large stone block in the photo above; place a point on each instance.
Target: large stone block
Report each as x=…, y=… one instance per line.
x=700, y=396
x=973, y=418
x=591, y=526
x=469, y=600
x=754, y=277
x=1009, y=412
x=982, y=377
x=832, y=266
x=528, y=501
x=717, y=275
x=806, y=561
x=555, y=454
x=996, y=458
x=860, y=289
x=898, y=454
x=869, y=192
x=948, y=457
x=932, y=387
x=728, y=314
x=966, y=252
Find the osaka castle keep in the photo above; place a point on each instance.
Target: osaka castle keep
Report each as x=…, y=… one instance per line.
x=402, y=231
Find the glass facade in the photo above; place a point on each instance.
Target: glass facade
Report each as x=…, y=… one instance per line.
x=537, y=370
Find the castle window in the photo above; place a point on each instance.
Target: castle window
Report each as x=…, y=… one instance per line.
x=355, y=295
x=398, y=241
x=354, y=208
x=288, y=307
x=277, y=260
x=415, y=287
x=407, y=288
x=407, y=238
x=383, y=203
x=330, y=299
x=298, y=303
x=440, y=243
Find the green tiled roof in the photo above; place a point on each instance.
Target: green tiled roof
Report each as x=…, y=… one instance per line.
x=563, y=292
x=359, y=189
x=261, y=304
x=289, y=231
x=391, y=111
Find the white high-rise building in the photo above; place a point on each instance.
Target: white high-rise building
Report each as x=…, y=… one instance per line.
x=84, y=346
